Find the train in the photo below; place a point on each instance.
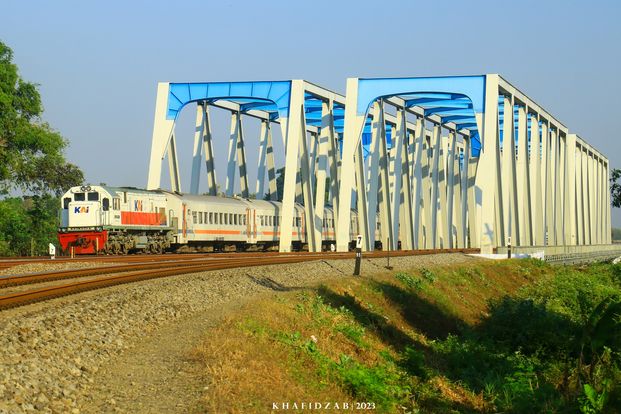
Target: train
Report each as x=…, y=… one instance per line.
x=99, y=219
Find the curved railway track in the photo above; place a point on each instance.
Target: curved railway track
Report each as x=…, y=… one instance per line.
x=119, y=274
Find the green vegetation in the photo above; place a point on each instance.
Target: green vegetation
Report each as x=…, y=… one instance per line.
x=615, y=187
x=31, y=162
x=514, y=336
x=27, y=224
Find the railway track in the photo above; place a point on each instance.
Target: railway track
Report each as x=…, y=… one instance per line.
x=7, y=263
x=127, y=273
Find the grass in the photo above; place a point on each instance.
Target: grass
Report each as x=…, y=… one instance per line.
x=489, y=337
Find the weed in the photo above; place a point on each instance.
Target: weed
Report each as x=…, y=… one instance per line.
x=408, y=280
x=428, y=275
x=253, y=327
x=383, y=384
x=413, y=362
x=352, y=332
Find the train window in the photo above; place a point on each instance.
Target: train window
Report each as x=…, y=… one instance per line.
x=231, y=218
x=116, y=203
x=243, y=220
x=210, y=217
x=66, y=202
x=93, y=196
x=105, y=204
x=226, y=219
x=194, y=217
x=234, y=219
x=221, y=219
x=124, y=197
x=200, y=217
x=215, y=217
x=79, y=196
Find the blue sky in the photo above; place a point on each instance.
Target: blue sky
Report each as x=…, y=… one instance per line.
x=98, y=64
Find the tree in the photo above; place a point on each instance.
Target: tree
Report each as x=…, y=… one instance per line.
x=615, y=187
x=31, y=152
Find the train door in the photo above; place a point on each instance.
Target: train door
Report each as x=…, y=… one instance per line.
x=251, y=229
x=172, y=220
x=105, y=211
x=184, y=221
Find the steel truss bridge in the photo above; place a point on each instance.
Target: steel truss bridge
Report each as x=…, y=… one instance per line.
x=439, y=162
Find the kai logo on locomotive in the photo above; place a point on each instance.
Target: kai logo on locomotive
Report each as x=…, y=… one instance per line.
x=78, y=210
x=137, y=205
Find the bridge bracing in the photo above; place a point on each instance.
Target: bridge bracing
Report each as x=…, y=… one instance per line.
x=435, y=162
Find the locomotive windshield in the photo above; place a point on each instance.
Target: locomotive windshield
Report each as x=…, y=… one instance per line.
x=78, y=197
x=93, y=196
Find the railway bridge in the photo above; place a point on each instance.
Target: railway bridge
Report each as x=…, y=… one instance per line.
x=434, y=162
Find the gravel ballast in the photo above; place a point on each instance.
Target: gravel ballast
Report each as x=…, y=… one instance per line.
x=50, y=352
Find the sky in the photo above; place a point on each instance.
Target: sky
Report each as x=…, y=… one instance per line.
x=98, y=63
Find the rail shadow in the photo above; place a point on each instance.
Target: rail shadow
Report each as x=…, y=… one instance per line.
x=270, y=283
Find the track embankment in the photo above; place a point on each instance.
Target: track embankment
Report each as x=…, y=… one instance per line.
x=59, y=355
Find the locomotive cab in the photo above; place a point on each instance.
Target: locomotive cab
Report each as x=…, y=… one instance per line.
x=86, y=207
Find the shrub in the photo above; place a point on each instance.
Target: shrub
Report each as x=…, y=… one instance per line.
x=409, y=281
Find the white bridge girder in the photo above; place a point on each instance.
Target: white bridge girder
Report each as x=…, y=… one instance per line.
x=540, y=186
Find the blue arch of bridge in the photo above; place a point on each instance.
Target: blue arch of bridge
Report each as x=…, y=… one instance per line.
x=270, y=96
x=455, y=99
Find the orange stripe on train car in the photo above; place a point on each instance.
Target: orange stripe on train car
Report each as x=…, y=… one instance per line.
x=217, y=231
x=277, y=233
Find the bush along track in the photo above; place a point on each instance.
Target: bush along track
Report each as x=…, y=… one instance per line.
x=511, y=336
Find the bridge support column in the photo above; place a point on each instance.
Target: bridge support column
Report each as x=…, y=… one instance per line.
x=417, y=184
x=509, y=182
x=354, y=122
x=548, y=189
x=579, y=198
x=237, y=152
x=203, y=142
x=444, y=231
x=266, y=160
x=401, y=198
x=490, y=181
x=162, y=133
x=536, y=191
x=173, y=165
x=523, y=181
x=325, y=136
x=569, y=213
x=296, y=153
x=435, y=164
